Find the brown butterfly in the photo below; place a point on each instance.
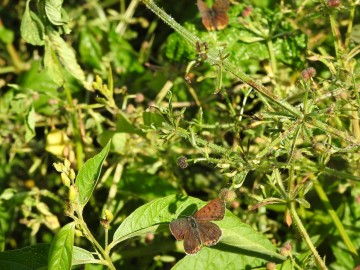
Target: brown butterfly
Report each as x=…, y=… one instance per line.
x=214, y=18
x=197, y=230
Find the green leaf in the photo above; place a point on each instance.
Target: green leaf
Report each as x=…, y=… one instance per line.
x=178, y=49
x=27, y=258
x=242, y=236
x=213, y=258
x=145, y=185
x=30, y=124
x=53, y=11
x=61, y=249
x=32, y=29
x=52, y=65
x=66, y=56
x=6, y=35
x=123, y=124
x=123, y=55
x=148, y=216
x=119, y=141
x=151, y=215
x=82, y=256
x=152, y=119
x=290, y=48
x=88, y=175
x=90, y=50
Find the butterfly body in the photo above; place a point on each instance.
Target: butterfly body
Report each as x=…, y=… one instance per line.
x=197, y=230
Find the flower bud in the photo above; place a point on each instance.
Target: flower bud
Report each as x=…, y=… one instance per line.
x=67, y=163
x=72, y=194
x=65, y=179
x=108, y=215
x=58, y=166
x=72, y=175
x=227, y=195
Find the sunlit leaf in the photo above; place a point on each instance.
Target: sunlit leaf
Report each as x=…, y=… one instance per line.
x=61, y=249
x=89, y=174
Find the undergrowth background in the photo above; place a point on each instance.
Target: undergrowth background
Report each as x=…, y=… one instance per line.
x=183, y=118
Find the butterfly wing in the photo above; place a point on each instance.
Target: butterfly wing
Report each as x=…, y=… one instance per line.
x=179, y=227
x=206, y=15
x=220, y=9
x=214, y=210
x=209, y=233
x=192, y=242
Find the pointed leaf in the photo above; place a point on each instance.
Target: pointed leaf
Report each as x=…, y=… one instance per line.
x=66, y=56
x=61, y=249
x=27, y=258
x=32, y=29
x=30, y=124
x=88, y=175
x=53, y=11
x=52, y=64
x=213, y=258
x=235, y=233
x=82, y=256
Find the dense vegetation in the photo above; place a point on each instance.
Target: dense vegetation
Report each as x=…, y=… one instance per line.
x=114, y=123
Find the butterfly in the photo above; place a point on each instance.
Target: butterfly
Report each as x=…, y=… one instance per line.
x=214, y=18
x=197, y=230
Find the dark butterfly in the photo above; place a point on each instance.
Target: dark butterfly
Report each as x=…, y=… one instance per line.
x=214, y=18
x=197, y=230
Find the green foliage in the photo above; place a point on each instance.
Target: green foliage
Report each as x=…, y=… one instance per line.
x=113, y=124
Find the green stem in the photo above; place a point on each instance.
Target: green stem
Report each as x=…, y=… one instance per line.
x=77, y=133
x=106, y=237
x=92, y=239
x=336, y=34
x=325, y=200
x=272, y=56
x=320, y=263
x=129, y=13
x=350, y=26
x=213, y=59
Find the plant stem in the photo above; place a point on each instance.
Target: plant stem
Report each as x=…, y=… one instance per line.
x=350, y=26
x=296, y=219
x=77, y=133
x=325, y=200
x=213, y=59
x=92, y=239
x=272, y=56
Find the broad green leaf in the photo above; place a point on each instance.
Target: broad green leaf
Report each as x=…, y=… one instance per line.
x=150, y=215
x=152, y=119
x=145, y=185
x=178, y=49
x=52, y=64
x=119, y=141
x=30, y=124
x=61, y=249
x=214, y=258
x=66, y=56
x=123, y=124
x=124, y=57
x=28, y=258
x=242, y=236
x=53, y=11
x=32, y=29
x=82, y=256
x=235, y=233
x=90, y=50
x=88, y=175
